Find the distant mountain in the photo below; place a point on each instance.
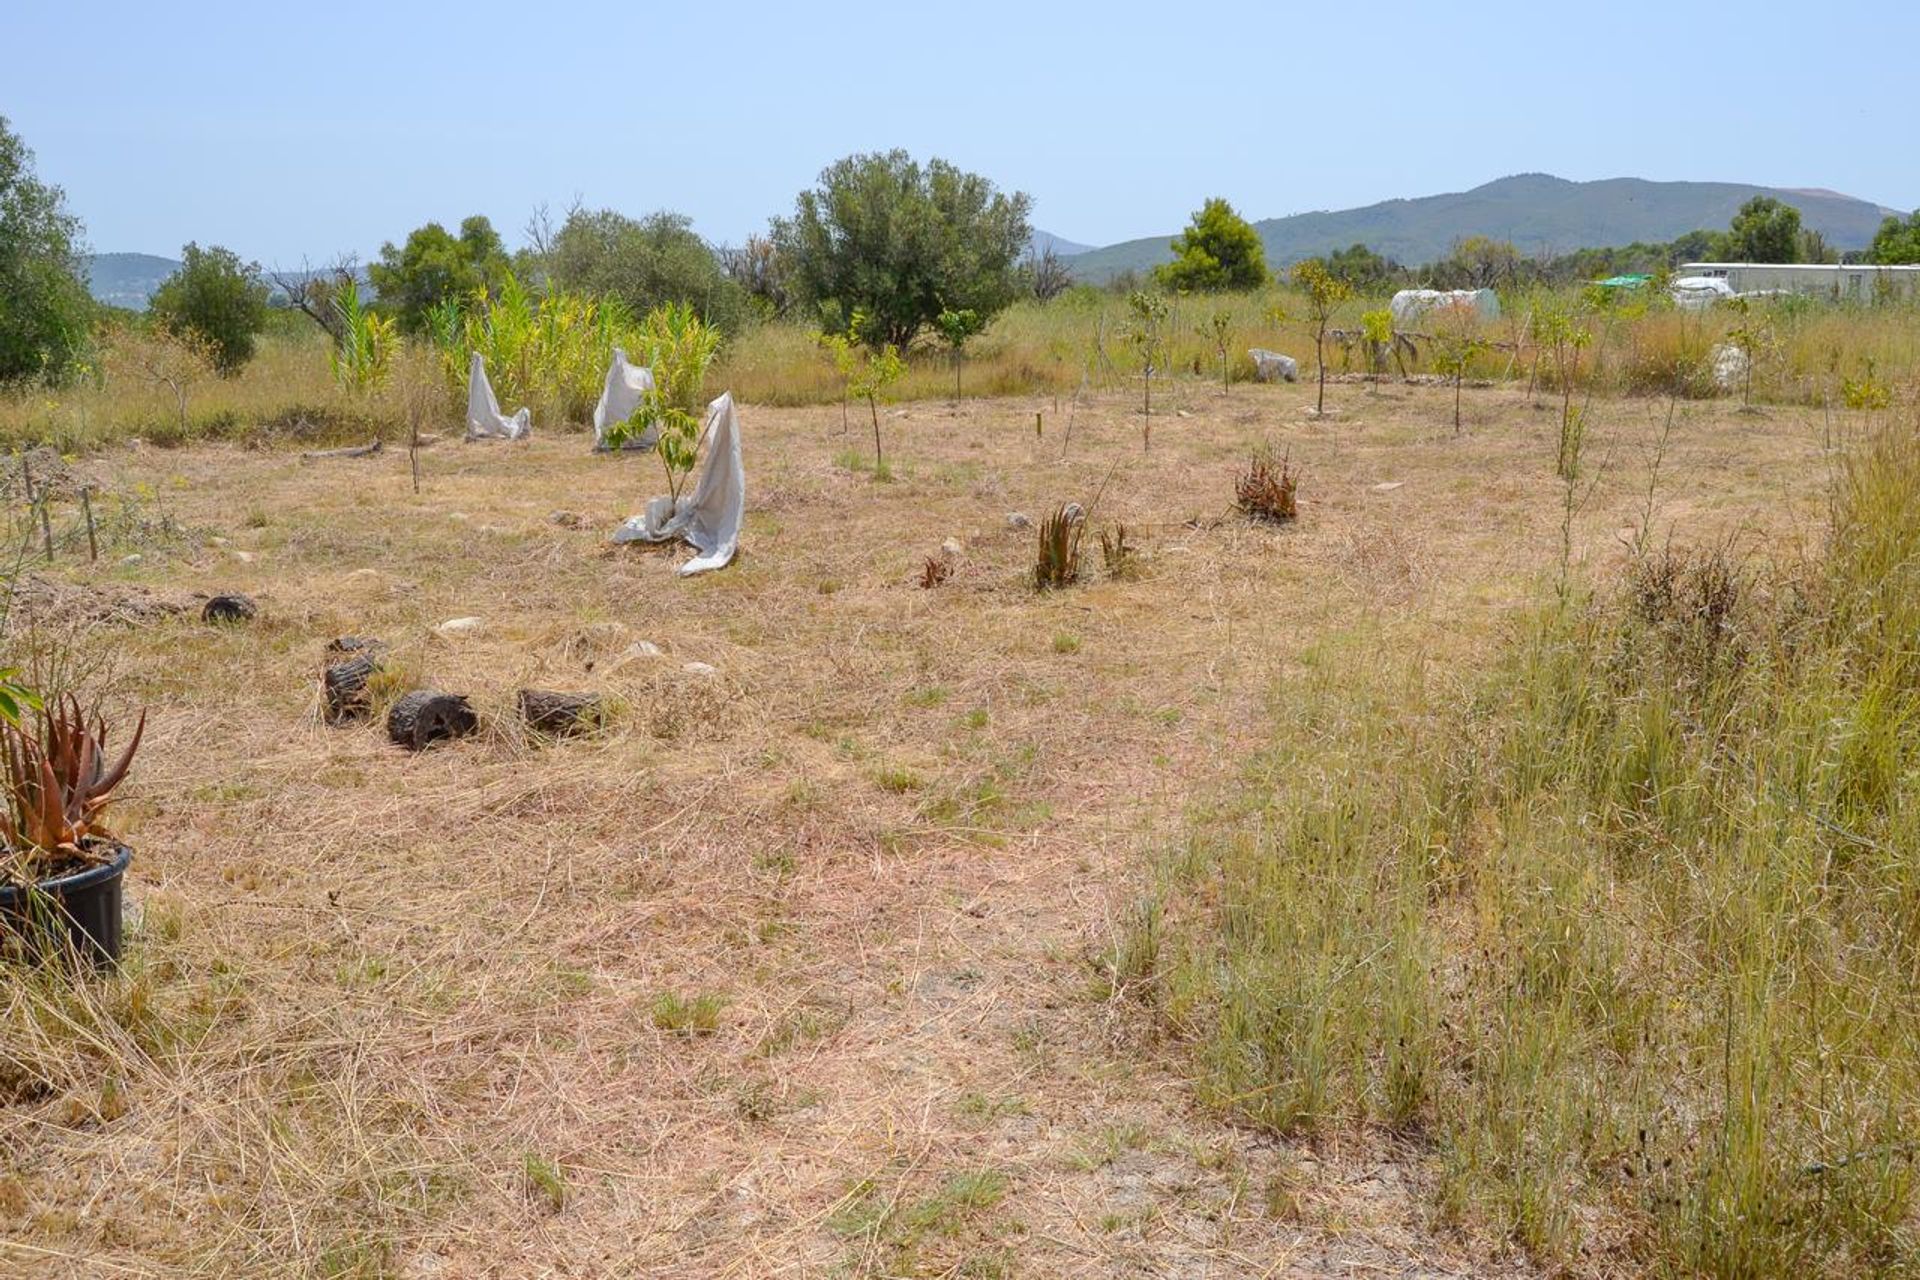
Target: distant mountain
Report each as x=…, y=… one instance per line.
x=1538, y=212
x=127, y=279
x=1041, y=241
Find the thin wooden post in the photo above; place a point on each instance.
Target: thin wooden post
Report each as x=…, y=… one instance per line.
x=86, y=508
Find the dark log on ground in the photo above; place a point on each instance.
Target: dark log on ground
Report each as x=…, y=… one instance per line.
x=426, y=716
x=345, y=687
x=560, y=713
x=357, y=451
x=233, y=608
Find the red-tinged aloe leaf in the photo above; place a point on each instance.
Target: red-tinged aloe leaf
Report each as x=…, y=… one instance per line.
x=119, y=771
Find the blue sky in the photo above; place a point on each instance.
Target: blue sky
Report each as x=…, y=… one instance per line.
x=285, y=131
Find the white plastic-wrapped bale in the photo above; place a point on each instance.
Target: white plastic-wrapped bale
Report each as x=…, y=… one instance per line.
x=1697, y=293
x=1271, y=366
x=484, y=419
x=1730, y=366
x=627, y=384
x=1409, y=305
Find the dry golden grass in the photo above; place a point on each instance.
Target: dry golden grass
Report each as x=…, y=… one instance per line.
x=791, y=970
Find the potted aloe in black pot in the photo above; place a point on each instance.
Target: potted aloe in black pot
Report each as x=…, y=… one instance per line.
x=60, y=870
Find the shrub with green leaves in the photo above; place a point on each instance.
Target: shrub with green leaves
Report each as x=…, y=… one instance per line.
x=1218, y=251
x=550, y=353
x=45, y=310
x=217, y=296
x=363, y=355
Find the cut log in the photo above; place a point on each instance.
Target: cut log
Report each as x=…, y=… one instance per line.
x=345, y=687
x=559, y=714
x=233, y=608
x=426, y=716
x=356, y=451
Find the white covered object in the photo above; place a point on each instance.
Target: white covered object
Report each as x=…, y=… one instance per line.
x=1731, y=366
x=709, y=517
x=1697, y=293
x=484, y=419
x=626, y=384
x=1271, y=366
x=1411, y=304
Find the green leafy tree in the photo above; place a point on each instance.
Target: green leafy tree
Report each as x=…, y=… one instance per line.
x=900, y=243
x=434, y=265
x=1325, y=294
x=647, y=263
x=1361, y=267
x=45, y=310
x=1765, y=230
x=1897, y=241
x=1456, y=345
x=1218, y=251
x=956, y=329
x=217, y=296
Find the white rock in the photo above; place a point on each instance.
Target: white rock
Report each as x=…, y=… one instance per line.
x=461, y=627
x=1271, y=366
x=700, y=669
x=244, y=557
x=952, y=547
x=1019, y=520
x=1387, y=486
x=133, y=559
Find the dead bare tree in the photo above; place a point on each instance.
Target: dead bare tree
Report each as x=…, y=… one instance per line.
x=312, y=291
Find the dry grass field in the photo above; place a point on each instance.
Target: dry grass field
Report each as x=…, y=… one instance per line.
x=798, y=967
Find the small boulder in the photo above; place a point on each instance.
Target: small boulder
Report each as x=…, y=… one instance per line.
x=1019, y=520
x=700, y=669
x=460, y=627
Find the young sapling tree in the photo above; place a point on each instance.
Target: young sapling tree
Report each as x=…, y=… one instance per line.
x=1325, y=292
x=680, y=348
x=1145, y=332
x=956, y=329
x=1218, y=331
x=882, y=369
x=1455, y=346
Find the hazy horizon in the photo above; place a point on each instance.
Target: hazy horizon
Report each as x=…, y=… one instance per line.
x=286, y=138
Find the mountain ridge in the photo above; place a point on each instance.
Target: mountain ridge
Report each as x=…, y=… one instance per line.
x=1538, y=212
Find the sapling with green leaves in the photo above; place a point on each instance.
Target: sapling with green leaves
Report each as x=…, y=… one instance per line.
x=680, y=348
x=1557, y=330
x=1325, y=293
x=363, y=356
x=882, y=369
x=1146, y=330
x=956, y=329
x=1218, y=332
x=1377, y=328
x=1455, y=346
x=1753, y=338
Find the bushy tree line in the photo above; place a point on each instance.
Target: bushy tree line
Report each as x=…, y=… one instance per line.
x=45, y=310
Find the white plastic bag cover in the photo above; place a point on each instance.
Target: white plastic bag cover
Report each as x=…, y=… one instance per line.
x=1411, y=304
x=484, y=420
x=1696, y=293
x=626, y=384
x=709, y=517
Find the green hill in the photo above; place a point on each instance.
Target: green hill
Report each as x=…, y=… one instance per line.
x=1538, y=212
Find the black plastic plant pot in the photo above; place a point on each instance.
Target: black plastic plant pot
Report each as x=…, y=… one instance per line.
x=77, y=914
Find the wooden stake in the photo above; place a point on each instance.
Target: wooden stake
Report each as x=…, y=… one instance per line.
x=86, y=507
x=1038, y=433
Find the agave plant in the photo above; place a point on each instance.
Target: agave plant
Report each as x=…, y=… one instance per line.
x=57, y=781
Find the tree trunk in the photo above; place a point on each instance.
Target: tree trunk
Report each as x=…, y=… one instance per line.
x=426, y=716
x=1320, y=358
x=879, y=459
x=559, y=714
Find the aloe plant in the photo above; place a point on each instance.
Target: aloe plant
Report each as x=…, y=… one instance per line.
x=57, y=782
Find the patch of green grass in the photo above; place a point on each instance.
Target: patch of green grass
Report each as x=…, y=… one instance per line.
x=929, y=696
x=546, y=1181
x=1066, y=642
x=897, y=779
x=697, y=1015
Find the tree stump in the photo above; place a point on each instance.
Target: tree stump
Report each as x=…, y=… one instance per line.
x=344, y=686
x=233, y=608
x=426, y=716
x=559, y=714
